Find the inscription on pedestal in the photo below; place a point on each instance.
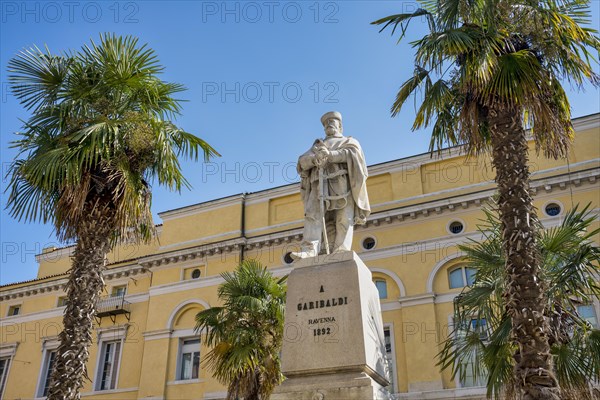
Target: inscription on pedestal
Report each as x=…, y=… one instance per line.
x=323, y=325
x=332, y=319
x=334, y=335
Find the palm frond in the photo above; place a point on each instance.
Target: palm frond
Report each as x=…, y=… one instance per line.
x=100, y=129
x=246, y=333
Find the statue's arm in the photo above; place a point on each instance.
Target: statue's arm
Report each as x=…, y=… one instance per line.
x=343, y=154
x=338, y=156
x=306, y=161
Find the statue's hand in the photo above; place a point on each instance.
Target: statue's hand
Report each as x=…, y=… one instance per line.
x=320, y=161
x=321, y=156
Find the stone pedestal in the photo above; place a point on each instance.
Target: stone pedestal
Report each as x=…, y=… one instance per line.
x=333, y=341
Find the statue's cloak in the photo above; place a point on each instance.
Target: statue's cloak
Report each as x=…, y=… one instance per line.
x=337, y=184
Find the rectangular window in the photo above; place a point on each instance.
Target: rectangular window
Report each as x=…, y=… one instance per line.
x=588, y=313
x=108, y=366
x=455, y=278
x=62, y=301
x=470, y=274
x=470, y=379
x=47, y=372
x=190, y=359
x=118, y=291
x=4, y=365
x=389, y=354
x=382, y=288
x=14, y=310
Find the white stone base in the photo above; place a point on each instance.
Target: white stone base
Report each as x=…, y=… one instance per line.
x=336, y=386
x=333, y=341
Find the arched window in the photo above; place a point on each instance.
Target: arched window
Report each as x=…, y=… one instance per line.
x=381, y=288
x=461, y=277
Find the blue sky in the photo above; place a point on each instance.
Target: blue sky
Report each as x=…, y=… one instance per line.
x=259, y=76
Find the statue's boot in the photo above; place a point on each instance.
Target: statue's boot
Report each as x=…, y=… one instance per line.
x=307, y=249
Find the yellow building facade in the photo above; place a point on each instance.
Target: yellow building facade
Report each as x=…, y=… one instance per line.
x=145, y=346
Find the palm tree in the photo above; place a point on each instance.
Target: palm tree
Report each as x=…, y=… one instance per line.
x=99, y=133
x=480, y=342
x=489, y=69
x=246, y=333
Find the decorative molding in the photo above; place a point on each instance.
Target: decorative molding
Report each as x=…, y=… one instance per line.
x=130, y=269
x=199, y=241
x=459, y=203
x=450, y=394
x=390, y=306
x=255, y=231
x=428, y=246
x=417, y=300
x=46, y=287
x=185, y=333
x=181, y=286
x=191, y=253
x=35, y=316
x=33, y=289
x=56, y=254
x=440, y=264
x=180, y=306
x=50, y=343
x=215, y=395
x=393, y=276
x=586, y=122
x=8, y=349
x=397, y=215
x=124, y=390
x=185, y=382
x=268, y=194
x=137, y=297
x=157, y=334
x=446, y=297
x=201, y=207
x=579, y=124
x=115, y=332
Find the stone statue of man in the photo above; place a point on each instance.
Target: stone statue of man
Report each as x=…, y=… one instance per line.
x=334, y=190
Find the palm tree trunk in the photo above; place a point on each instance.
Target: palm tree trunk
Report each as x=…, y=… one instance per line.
x=83, y=288
x=525, y=298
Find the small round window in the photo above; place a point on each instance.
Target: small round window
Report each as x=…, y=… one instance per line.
x=369, y=243
x=456, y=227
x=552, y=209
x=288, y=258
x=196, y=274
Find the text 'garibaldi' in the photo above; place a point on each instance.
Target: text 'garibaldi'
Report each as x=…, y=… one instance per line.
x=334, y=190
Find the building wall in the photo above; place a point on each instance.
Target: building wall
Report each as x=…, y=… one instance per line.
x=414, y=201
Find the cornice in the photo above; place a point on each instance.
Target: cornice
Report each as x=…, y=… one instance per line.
x=67, y=251
x=401, y=164
x=8, y=349
x=55, y=254
x=451, y=204
x=204, y=207
x=191, y=253
x=34, y=289
x=268, y=194
x=586, y=122
x=58, y=285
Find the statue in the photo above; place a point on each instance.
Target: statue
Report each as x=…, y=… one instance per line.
x=334, y=190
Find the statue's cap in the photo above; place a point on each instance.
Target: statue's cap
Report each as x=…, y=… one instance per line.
x=331, y=114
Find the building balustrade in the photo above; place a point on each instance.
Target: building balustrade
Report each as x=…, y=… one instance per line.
x=111, y=306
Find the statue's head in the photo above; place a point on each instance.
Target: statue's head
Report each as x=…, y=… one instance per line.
x=332, y=122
